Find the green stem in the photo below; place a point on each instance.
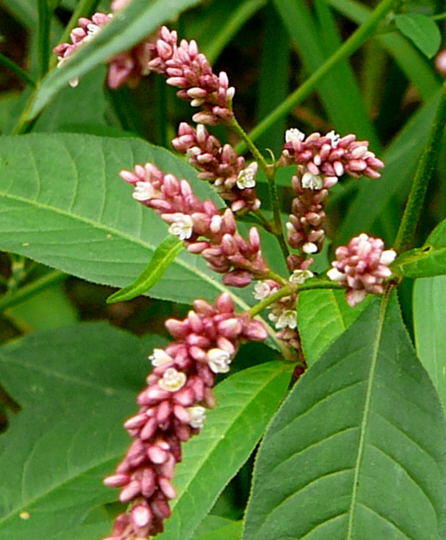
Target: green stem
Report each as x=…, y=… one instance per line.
x=43, y=37
x=84, y=8
x=345, y=51
x=270, y=172
x=17, y=70
x=439, y=17
x=12, y=299
x=290, y=289
x=423, y=174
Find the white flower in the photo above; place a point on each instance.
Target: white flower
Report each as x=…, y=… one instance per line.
x=197, y=416
x=309, y=248
x=247, y=177
x=334, y=138
x=182, y=226
x=92, y=29
x=334, y=274
x=312, y=181
x=219, y=360
x=159, y=357
x=172, y=380
x=300, y=276
x=143, y=191
x=287, y=319
x=261, y=290
x=387, y=256
x=294, y=135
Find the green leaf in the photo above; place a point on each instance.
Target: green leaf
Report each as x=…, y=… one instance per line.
x=429, y=312
x=232, y=531
x=90, y=92
x=246, y=401
x=127, y=28
x=75, y=387
x=427, y=261
x=322, y=316
x=414, y=65
x=163, y=257
x=77, y=215
x=358, y=448
x=422, y=30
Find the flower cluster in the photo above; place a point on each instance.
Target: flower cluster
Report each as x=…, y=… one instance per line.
x=84, y=32
x=329, y=156
x=283, y=311
x=305, y=226
x=362, y=266
x=172, y=409
x=204, y=229
x=221, y=165
x=188, y=69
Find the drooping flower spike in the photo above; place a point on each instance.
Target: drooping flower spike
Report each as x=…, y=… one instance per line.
x=362, y=267
x=204, y=228
x=172, y=409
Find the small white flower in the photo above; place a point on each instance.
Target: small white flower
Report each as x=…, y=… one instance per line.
x=387, y=257
x=182, y=226
x=159, y=357
x=143, y=191
x=92, y=30
x=172, y=380
x=287, y=319
x=294, y=135
x=300, y=276
x=197, y=416
x=312, y=181
x=334, y=138
x=219, y=360
x=261, y=290
x=247, y=177
x=309, y=248
x=334, y=274
x=74, y=82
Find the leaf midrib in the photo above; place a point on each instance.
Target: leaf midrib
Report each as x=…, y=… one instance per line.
x=108, y=229
x=366, y=413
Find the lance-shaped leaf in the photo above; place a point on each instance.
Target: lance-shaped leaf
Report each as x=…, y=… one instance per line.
x=75, y=387
x=427, y=261
x=162, y=258
x=422, y=30
x=127, y=28
x=64, y=205
x=246, y=402
x=322, y=316
x=429, y=312
x=358, y=448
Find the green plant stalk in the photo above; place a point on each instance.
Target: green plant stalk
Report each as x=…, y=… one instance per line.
x=351, y=45
x=423, y=174
x=84, y=8
x=289, y=289
x=43, y=36
x=439, y=17
x=270, y=171
x=25, y=292
x=17, y=70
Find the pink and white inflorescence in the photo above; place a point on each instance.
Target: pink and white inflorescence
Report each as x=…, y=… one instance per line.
x=204, y=228
x=329, y=156
x=188, y=69
x=172, y=409
x=221, y=165
x=362, y=266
